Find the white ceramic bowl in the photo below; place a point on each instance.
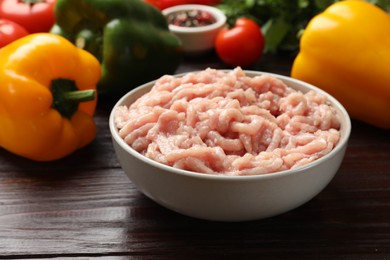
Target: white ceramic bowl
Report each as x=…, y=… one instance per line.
x=230, y=198
x=197, y=39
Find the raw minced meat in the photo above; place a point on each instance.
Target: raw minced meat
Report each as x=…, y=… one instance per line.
x=228, y=123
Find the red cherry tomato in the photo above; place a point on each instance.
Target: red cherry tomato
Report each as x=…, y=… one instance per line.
x=208, y=2
x=163, y=4
x=10, y=31
x=33, y=15
x=241, y=45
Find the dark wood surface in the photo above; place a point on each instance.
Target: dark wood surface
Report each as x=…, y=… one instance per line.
x=84, y=206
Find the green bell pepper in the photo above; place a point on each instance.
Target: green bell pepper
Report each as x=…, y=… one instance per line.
x=130, y=38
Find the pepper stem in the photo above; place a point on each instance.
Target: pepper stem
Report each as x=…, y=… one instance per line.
x=66, y=96
x=80, y=95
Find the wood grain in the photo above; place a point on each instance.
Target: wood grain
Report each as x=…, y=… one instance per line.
x=83, y=206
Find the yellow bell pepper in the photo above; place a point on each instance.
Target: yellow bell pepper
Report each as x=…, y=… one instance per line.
x=43, y=79
x=346, y=51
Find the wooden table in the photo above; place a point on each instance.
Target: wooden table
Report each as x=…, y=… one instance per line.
x=84, y=206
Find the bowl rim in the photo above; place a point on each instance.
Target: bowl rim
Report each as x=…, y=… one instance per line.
x=340, y=145
x=217, y=14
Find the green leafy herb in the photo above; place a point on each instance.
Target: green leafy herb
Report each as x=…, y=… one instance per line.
x=282, y=21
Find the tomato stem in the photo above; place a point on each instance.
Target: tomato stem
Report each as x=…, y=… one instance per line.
x=32, y=2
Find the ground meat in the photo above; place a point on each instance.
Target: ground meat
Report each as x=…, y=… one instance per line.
x=228, y=123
